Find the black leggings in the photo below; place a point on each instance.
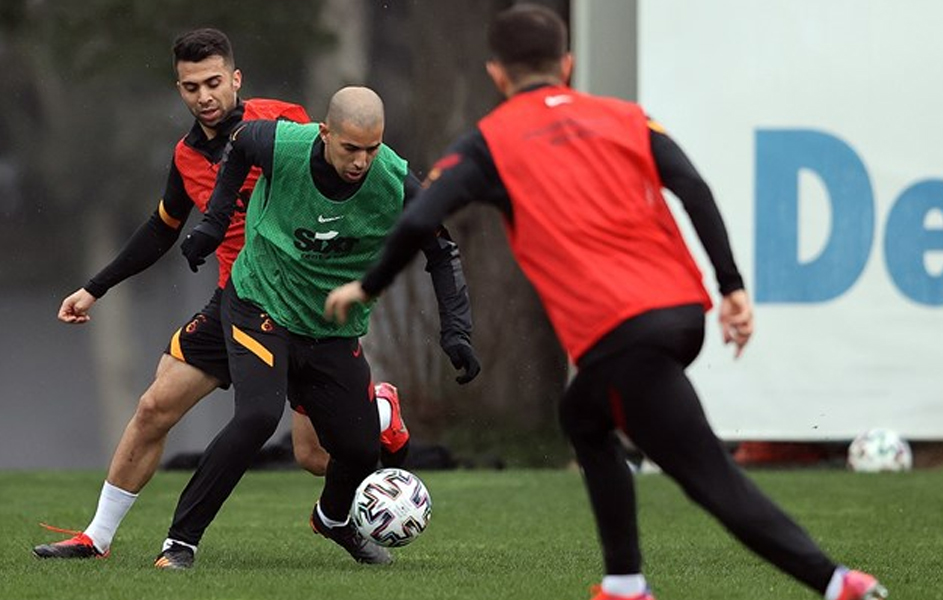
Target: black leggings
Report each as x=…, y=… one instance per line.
x=329, y=377
x=642, y=389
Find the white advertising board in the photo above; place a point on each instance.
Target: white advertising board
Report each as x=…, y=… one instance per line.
x=819, y=126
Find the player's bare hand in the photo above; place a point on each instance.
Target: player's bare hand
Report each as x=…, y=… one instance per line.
x=75, y=307
x=736, y=319
x=340, y=299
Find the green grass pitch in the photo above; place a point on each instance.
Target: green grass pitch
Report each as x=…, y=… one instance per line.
x=516, y=534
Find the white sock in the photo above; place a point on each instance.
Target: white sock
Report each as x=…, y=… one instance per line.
x=330, y=522
x=385, y=410
x=624, y=585
x=113, y=504
x=836, y=583
x=170, y=542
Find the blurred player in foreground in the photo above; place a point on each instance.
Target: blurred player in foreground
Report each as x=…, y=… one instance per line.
x=578, y=179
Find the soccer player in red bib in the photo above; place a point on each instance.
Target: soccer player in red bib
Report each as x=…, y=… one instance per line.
x=578, y=179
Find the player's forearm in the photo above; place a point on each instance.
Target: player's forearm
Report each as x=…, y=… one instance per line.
x=232, y=174
x=443, y=263
x=709, y=225
x=416, y=229
x=679, y=175
x=720, y=254
x=403, y=243
x=151, y=241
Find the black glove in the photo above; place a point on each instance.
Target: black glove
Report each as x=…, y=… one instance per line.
x=200, y=243
x=463, y=357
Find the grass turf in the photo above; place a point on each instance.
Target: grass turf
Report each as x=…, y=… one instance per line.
x=508, y=534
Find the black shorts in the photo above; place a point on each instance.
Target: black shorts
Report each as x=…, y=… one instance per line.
x=327, y=379
x=200, y=343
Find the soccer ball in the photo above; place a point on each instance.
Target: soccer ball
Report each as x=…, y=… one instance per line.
x=879, y=450
x=391, y=507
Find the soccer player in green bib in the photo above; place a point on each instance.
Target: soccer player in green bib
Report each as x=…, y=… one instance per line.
x=318, y=216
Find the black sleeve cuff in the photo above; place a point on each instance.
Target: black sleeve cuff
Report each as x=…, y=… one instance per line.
x=372, y=285
x=96, y=289
x=731, y=284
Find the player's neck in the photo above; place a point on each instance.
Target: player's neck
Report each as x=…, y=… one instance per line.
x=209, y=132
x=531, y=82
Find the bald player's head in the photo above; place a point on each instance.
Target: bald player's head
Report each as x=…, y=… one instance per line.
x=359, y=106
x=352, y=131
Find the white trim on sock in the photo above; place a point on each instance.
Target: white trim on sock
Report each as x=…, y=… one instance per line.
x=624, y=585
x=836, y=583
x=385, y=410
x=113, y=504
x=170, y=542
x=331, y=523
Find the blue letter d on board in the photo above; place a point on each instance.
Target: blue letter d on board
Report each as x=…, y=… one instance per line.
x=780, y=156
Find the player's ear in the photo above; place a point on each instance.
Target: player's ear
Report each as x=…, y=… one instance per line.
x=236, y=79
x=566, y=68
x=499, y=76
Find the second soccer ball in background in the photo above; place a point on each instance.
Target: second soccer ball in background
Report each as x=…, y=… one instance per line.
x=879, y=450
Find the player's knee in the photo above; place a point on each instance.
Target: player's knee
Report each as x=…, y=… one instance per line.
x=257, y=423
x=313, y=459
x=581, y=425
x=156, y=413
x=574, y=428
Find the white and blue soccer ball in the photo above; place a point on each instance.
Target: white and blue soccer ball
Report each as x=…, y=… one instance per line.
x=879, y=450
x=391, y=507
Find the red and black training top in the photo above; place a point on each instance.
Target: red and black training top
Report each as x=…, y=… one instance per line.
x=199, y=171
x=608, y=249
x=578, y=179
x=190, y=183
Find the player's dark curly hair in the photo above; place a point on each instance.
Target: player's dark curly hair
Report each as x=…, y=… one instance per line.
x=201, y=44
x=528, y=39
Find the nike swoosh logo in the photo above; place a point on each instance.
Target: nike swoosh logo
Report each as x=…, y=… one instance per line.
x=323, y=219
x=552, y=101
